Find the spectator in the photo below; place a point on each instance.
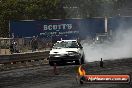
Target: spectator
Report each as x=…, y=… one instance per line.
x=11, y=48
x=34, y=44
x=14, y=47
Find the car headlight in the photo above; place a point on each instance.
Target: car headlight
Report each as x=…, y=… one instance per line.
x=50, y=55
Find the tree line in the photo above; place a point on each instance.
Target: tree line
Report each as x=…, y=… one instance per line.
x=55, y=9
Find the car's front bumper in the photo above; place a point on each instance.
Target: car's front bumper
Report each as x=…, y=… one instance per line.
x=64, y=58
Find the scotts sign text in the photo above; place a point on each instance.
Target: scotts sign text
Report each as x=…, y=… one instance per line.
x=58, y=29
x=57, y=26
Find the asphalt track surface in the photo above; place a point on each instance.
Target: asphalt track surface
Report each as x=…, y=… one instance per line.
x=44, y=77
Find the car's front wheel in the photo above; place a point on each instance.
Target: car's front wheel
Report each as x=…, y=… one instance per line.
x=51, y=63
x=78, y=62
x=82, y=60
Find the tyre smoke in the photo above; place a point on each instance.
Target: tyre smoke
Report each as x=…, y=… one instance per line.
x=120, y=47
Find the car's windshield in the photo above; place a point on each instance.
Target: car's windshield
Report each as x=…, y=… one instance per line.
x=69, y=44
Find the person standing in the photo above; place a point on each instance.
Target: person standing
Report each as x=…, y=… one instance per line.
x=11, y=48
x=34, y=44
x=14, y=48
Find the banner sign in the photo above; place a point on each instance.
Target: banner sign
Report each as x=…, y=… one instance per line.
x=119, y=23
x=70, y=28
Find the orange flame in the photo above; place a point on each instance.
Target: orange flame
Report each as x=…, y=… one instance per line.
x=81, y=71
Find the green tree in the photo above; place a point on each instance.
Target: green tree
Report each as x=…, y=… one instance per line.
x=27, y=10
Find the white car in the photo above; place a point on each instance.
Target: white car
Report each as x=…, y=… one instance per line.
x=66, y=51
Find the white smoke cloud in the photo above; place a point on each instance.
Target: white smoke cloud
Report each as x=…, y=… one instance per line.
x=121, y=47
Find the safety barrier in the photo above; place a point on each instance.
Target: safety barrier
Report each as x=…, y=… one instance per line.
x=21, y=57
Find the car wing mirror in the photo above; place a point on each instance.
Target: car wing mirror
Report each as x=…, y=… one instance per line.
x=81, y=47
